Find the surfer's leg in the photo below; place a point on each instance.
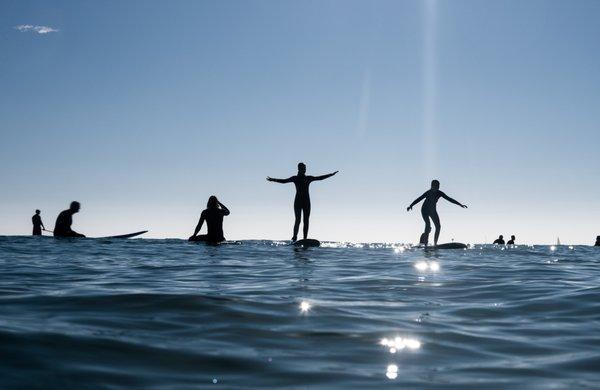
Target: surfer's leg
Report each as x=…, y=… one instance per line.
x=436, y=221
x=425, y=236
x=306, y=212
x=297, y=211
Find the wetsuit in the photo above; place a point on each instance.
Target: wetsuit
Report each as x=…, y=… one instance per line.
x=214, y=224
x=429, y=211
x=62, y=228
x=37, y=225
x=499, y=242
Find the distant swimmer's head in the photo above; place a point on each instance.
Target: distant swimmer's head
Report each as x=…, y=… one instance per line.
x=75, y=206
x=301, y=168
x=37, y=211
x=501, y=237
x=213, y=203
x=512, y=237
x=435, y=184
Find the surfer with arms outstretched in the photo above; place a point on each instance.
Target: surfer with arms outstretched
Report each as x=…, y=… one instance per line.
x=302, y=199
x=429, y=211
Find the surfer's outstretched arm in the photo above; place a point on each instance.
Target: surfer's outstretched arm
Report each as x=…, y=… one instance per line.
x=225, y=209
x=282, y=181
x=323, y=177
x=420, y=198
x=449, y=199
x=199, y=226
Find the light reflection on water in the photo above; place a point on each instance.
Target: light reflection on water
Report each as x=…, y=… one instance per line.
x=97, y=314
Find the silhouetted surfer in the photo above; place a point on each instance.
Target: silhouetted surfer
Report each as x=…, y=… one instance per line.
x=428, y=210
x=302, y=200
x=511, y=241
x=62, y=228
x=499, y=240
x=597, y=241
x=38, y=225
x=213, y=215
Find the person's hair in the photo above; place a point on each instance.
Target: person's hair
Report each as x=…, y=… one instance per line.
x=213, y=202
x=301, y=165
x=435, y=184
x=513, y=236
x=37, y=211
x=501, y=236
x=74, y=205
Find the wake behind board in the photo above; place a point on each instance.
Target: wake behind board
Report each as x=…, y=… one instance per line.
x=449, y=245
x=309, y=242
x=128, y=235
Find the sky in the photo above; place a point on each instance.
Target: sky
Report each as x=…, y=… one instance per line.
x=141, y=110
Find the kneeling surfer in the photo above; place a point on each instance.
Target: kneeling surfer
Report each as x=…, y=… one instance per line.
x=428, y=210
x=213, y=215
x=62, y=228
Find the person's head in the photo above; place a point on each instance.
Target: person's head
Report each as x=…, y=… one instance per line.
x=501, y=237
x=597, y=238
x=37, y=212
x=75, y=206
x=213, y=203
x=435, y=184
x=512, y=237
x=301, y=168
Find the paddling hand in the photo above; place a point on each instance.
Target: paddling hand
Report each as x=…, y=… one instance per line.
x=464, y=206
x=269, y=178
x=409, y=208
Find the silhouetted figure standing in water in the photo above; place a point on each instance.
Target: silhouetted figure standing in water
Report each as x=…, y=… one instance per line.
x=213, y=215
x=597, y=241
x=62, y=228
x=499, y=240
x=511, y=241
x=38, y=225
x=302, y=199
x=429, y=211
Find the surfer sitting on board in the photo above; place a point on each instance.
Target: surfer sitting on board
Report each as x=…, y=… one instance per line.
x=512, y=240
x=428, y=210
x=597, y=241
x=62, y=228
x=213, y=215
x=302, y=200
x=499, y=240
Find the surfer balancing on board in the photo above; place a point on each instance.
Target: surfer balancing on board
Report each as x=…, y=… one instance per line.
x=62, y=228
x=213, y=215
x=428, y=210
x=302, y=199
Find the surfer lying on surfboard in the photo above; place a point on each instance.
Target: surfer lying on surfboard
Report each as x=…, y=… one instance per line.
x=302, y=200
x=213, y=215
x=428, y=210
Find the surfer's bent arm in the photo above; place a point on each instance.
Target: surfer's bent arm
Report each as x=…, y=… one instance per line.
x=449, y=199
x=282, y=181
x=420, y=198
x=225, y=209
x=200, y=223
x=323, y=177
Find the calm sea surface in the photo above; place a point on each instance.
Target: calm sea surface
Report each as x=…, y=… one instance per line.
x=92, y=313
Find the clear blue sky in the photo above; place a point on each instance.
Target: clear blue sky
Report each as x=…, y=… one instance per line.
x=142, y=109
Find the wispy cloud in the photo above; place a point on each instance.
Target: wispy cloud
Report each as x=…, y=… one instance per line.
x=36, y=29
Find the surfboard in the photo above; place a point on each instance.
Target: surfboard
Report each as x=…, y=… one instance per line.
x=129, y=235
x=449, y=245
x=309, y=242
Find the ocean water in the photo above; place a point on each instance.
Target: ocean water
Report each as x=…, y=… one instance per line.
x=93, y=313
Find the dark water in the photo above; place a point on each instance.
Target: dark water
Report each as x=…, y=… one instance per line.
x=95, y=313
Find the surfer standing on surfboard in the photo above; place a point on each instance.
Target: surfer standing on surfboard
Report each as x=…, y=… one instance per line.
x=302, y=200
x=428, y=210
